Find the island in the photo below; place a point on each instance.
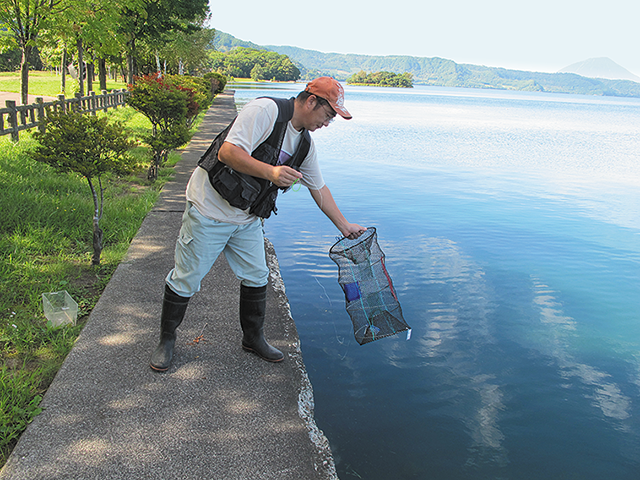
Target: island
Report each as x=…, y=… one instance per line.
x=381, y=79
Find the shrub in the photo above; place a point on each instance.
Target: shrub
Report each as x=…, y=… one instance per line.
x=90, y=146
x=218, y=82
x=170, y=108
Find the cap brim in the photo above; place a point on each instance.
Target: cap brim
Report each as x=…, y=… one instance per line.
x=343, y=112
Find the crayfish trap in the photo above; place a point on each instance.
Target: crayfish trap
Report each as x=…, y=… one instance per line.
x=370, y=298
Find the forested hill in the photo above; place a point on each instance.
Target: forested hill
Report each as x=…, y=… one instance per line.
x=223, y=42
x=440, y=71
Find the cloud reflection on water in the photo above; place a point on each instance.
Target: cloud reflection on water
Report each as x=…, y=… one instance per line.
x=605, y=394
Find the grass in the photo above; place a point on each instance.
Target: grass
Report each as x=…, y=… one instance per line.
x=46, y=246
x=47, y=84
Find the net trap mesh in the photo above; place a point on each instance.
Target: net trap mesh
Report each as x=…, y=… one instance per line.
x=370, y=298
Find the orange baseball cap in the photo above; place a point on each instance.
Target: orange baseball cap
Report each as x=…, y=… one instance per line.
x=331, y=90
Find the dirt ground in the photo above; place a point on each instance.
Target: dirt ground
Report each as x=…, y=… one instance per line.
x=16, y=96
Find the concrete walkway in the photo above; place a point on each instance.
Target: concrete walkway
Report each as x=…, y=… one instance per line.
x=218, y=413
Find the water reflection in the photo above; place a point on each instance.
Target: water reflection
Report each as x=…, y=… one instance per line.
x=515, y=255
x=603, y=393
x=455, y=336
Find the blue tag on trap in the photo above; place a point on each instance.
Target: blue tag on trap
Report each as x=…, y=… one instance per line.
x=351, y=291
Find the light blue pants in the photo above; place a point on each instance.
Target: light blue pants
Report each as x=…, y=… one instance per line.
x=201, y=241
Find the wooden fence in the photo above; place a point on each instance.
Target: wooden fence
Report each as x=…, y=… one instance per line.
x=14, y=118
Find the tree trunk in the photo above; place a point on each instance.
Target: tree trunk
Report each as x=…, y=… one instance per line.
x=97, y=242
x=129, y=69
x=97, y=214
x=131, y=61
x=154, y=166
x=63, y=72
x=24, y=75
x=81, y=71
x=102, y=73
x=158, y=64
x=152, y=173
x=89, y=78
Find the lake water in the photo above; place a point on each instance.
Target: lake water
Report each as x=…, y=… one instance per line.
x=511, y=227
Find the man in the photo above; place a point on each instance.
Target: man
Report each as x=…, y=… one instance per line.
x=233, y=189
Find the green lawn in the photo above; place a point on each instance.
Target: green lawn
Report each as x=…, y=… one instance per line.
x=47, y=84
x=46, y=246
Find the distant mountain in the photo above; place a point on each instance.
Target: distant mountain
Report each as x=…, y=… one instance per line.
x=223, y=42
x=438, y=71
x=602, y=67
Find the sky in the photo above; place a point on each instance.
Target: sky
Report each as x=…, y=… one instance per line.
x=534, y=35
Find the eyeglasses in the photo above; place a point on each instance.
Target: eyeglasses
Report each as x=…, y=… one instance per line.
x=330, y=114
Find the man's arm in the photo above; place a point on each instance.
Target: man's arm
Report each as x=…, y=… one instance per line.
x=241, y=161
x=327, y=204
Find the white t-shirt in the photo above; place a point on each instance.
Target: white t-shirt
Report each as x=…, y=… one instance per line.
x=252, y=127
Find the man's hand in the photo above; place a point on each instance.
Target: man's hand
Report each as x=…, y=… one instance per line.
x=353, y=231
x=241, y=161
x=284, y=176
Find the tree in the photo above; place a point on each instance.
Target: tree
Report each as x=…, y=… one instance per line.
x=405, y=80
x=157, y=18
x=90, y=30
x=358, y=78
x=382, y=79
x=170, y=108
x=26, y=19
x=180, y=52
x=257, y=64
x=90, y=146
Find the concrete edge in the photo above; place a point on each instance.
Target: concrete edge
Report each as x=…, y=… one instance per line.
x=324, y=462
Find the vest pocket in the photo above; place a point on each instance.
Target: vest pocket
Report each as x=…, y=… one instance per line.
x=239, y=189
x=264, y=208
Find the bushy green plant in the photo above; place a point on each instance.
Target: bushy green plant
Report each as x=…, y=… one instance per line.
x=202, y=94
x=90, y=146
x=169, y=107
x=19, y=404
x=45, y=246
x=218, y=82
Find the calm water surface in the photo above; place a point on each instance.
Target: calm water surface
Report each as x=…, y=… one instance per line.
x=511, y=227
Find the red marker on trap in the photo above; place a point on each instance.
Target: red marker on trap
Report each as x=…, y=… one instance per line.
x=370, y=298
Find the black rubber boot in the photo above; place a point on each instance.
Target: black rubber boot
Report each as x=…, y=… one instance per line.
x=253, y=306
x=173, y=309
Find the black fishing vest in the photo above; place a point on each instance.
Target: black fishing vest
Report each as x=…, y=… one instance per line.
x=244, y=191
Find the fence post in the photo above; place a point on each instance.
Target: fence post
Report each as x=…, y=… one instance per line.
x=92, y=102
x=23, y=116
x=37, y=111
x=63, y=104
x=13, y=119
x=76, y=106
x=40, y=113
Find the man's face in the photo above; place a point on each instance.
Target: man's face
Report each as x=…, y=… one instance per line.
x=321, y=115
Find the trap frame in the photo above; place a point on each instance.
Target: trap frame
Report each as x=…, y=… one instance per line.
x=371, y=301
